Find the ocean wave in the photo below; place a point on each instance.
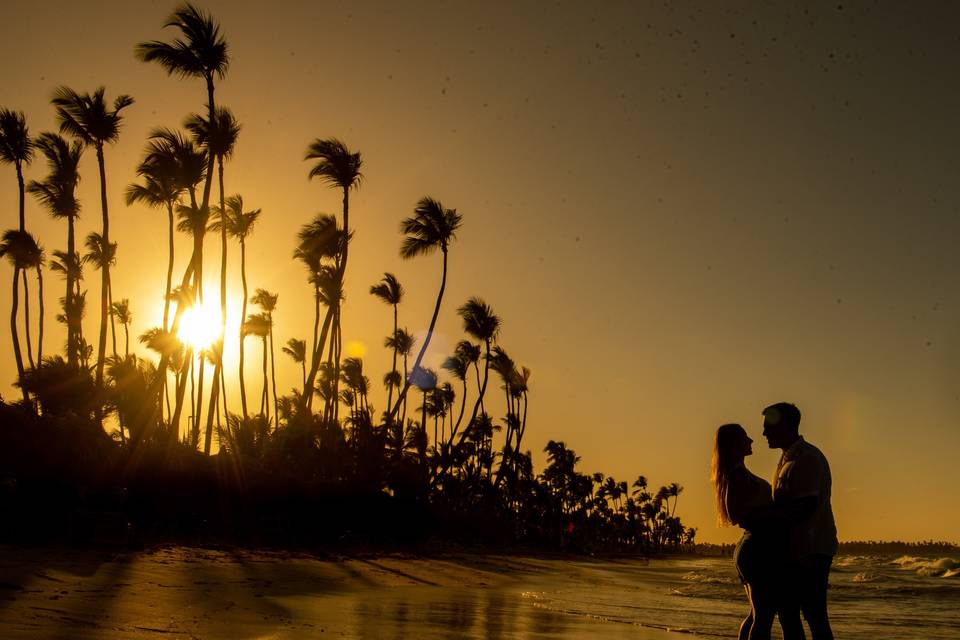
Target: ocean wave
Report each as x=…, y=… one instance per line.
x=868, y=577
x=707, y=578
x=927, y=567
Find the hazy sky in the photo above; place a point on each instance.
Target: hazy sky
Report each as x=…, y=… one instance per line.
x=682, y=211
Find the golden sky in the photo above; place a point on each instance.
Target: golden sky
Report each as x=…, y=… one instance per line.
x=682, y=212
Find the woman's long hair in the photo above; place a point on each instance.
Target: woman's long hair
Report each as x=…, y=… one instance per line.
x=724, y=458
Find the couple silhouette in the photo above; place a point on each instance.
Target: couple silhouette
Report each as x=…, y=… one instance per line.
x=789, y=536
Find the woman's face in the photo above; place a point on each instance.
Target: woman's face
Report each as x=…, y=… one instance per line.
x=745, y=444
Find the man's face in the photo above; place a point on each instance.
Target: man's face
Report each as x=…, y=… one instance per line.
x=773, y=433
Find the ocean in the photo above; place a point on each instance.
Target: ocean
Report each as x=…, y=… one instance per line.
x=870, y=598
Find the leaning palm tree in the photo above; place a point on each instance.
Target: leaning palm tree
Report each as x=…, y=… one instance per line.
x=57, y=193
x=432, y=227
x=297, y=350
x=238, y=224
x=390, y=291
x=16, y=148
x=87, y=118
x=268, y=302
x=121, y=310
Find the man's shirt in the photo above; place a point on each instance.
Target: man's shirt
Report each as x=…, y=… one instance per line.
x=804, y=472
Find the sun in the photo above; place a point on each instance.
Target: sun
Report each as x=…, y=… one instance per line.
x=199, y=327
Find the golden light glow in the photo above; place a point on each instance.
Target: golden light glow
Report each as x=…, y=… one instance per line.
x=200, y=327
x=356, y=349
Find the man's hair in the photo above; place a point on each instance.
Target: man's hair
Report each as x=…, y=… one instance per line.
x=783, y=414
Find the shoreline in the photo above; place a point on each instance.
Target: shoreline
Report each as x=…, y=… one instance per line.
x=175, y=591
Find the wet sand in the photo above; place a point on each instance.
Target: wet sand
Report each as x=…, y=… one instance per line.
x=178, y=592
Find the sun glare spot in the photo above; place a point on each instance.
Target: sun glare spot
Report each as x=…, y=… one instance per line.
x=356, y=349
x=199, y=327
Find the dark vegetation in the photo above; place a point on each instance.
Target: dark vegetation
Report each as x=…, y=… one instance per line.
x=105, y=444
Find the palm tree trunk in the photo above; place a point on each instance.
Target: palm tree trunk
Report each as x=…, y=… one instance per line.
x=104, y=276
x=13, y=331
x=40, y=320
x=243, y=318
x=26, y=317
x=273, y=377
x=265, y=395
x=306, y=401
x=195, y=436
x=426, y=341
x=126, y=342
x=19, y=166
x=166, y=293
x=113, y=325
x=218, y=366
x=72, y=345
x=394, y=369
x=463, y=405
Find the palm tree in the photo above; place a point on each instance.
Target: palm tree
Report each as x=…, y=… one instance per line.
x=268, y=302
x=16, y=148
x=432, y=227
x=480, y=322
x=297, y=349
x=171, y=165
x=319, y=242
x=14, y=248
x=464, y=354
x=390, y=291
x=258, y=324
x=337, y=166
x=219, y=136
x=200, y=53
x=121, y=310
x=58, y=194
x=102, y=256
x=424, y=379
x=402, y=342
x=673, y=490
x=87, y=118
x=239, y=224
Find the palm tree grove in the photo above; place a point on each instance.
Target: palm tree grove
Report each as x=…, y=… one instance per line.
x=132, y=437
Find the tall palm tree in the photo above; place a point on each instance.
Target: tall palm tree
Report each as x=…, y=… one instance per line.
x=36, y=258
x=432, y=227
x=337, y=166
x=459, y=366
x=481, y=323
x=402, y=341
x=57, y=193
x=87, y=118
x=14, y=248
x=390, y=291
x=102, y=256
x=219, y=136
x=201, y=52
x=320, y=241
x=171, y=165
x=268, y=302
x=239, y=225
x=258, y=325
x=121, y=310
x=16, y=148
x=297, y=350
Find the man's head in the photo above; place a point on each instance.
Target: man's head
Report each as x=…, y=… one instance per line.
x=781, y=425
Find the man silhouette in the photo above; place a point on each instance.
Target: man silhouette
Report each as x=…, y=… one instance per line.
x=801, y=491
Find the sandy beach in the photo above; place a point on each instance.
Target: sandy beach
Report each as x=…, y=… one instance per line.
x=178, y=592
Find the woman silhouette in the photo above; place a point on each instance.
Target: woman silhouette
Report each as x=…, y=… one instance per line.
x=746, y=500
